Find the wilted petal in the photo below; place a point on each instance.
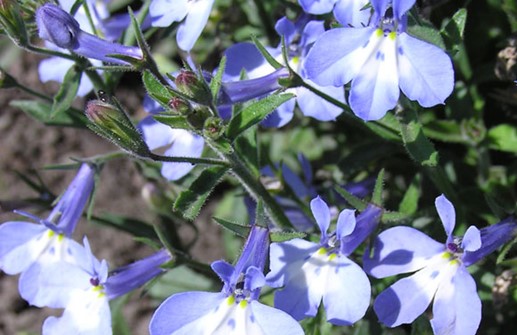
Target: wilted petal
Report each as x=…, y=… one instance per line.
x=190, y=30
x=447, y=215
x=457, y=307
x=327, y=65
x=409, y=297
x=400, y=250
x=347, y=295
x=375, y=89
x=425, y=71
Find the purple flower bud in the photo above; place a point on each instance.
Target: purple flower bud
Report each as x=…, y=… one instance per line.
x=59, y=27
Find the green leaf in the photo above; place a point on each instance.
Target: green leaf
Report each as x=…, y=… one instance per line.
x=270, y=59
x=454, y=29
x=503, y=138
x=427, y=33
x=67, y=92
x=215, y=83
x=190, y=201
x=415, y=142
x=282, y=236
x=445, y=131
x=388, y=127
x=133, y=226
x=179, y=279
x=246, y=146
x=409, y=203
x=377, y=190
x=173, y=121
x=237, y=229
x=156, y=89
x=41, y=111
x=255, y=113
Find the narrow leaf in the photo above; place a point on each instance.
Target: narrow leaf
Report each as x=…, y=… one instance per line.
x=42, y=112
x=155, y=89
x=415, y=142
x=190, y=201
x=67, y=92
x=409, y=203
x=235, y=228
x=283, y=236
x=270, y=59
x=173, y=121
x=377, y=190
x=255, y=113
x=357, y=203
x=215, y=83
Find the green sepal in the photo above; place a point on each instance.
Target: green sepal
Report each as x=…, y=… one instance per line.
x=12, y=22
x=357, y=203
x=416, y=143
x=453, y=30
x=237, y=229
x=282, y=236
x=378, y=188
x=191, y=200
x=41, y=111
x=173, y=121
x=217, y=80
x=409, y=203
x=270, y=59
x=67, y=91
x=255, y=113
x=503, y=138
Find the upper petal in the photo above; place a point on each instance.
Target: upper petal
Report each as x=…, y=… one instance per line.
x=164, y=12
x=399, y=250
x=426, y=73
x=447, y=214
x=457, y=307
x=321, y=213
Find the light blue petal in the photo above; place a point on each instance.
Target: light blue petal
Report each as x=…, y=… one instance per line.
x=321, y=213
x=375, y=89
x=156, y=134
x=223, y=269
x=314, y=106
x=311, y=32
x=245, y=56
x=190, y=30
x=254, y=279
x=345, y=223
x=286, y=259
x=280, y=116
x=16, y=254
x=426, y=73
x=273, y=321
x=348, y=292
x=349, y=13
x=457, y=307
x=317, y=6
x=181, y=309
x=185, y=144
x=330, y=66
x=447, y=215
x=285, y=27
x=380, y=6
x=400, y=250
x=472, y=239
x=400, y=7
x=51, y=285
x=164, y=12
x=409, y=297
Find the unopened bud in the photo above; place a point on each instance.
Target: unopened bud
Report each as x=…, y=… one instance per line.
x=194, y=87
x=198, y=116
x=180, y=106
x=112, y=123
x=213, y=127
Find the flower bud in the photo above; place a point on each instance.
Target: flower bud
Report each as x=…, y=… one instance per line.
x=198, y=116
x=194, y=87
x=180, y=106
x=113, y=124
x=213, y=127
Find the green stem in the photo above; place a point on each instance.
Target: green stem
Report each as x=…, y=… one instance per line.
x=49, y=52
x=191, y=160
x=251, y=183
x=35, y=93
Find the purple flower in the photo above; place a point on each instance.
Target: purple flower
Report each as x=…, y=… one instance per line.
x=236, y=309
x=441, y=272
x=193, y=13
x=179, y=142
x=28, y=248
x=57, y=26
x=379, y=59
x=299, y=38
x=85, y=290
x=312, y=272
x=347, y=12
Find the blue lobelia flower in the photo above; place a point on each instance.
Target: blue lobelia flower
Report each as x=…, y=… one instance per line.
x=85, y=290
x=379, y=59
x=193, y=15
x=235, y=310
x=179, y=142
x=299, y=38
x=59, y=27
x=352, y=13
x=441, y=272
x=28, y=248
x=312, y=272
